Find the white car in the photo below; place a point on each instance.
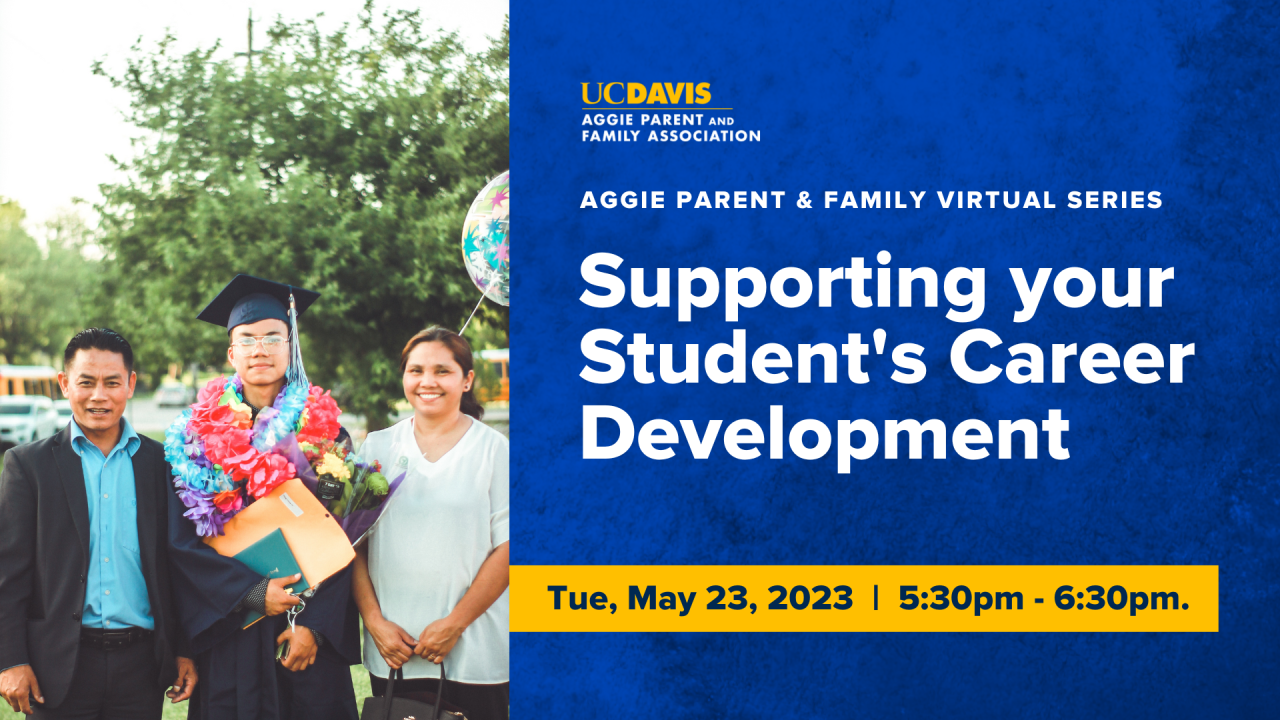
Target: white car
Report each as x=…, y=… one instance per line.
x=63, y=408
x=174, y=396
x=27, y=418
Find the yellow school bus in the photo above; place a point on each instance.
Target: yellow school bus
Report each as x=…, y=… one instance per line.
x=500, y=391
x=29, y=380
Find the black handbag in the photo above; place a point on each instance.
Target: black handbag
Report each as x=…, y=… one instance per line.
x=390, y=707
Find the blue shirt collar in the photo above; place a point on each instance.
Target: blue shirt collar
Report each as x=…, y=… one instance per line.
x=128, y=442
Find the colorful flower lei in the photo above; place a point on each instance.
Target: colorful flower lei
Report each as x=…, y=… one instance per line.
x=222, y=461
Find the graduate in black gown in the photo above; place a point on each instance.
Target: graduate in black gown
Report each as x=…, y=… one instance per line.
x=240, y=676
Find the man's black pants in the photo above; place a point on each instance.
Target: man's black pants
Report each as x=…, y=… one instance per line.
x=115, y=684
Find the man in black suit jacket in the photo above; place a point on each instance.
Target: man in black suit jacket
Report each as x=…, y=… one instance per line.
x=67, y=648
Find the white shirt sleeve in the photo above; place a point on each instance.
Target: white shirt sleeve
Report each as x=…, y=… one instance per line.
x=499, y=493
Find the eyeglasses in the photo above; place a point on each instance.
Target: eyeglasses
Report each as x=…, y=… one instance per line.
x=271, y=344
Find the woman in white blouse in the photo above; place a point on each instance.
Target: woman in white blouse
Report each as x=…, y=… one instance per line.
x=431, y=578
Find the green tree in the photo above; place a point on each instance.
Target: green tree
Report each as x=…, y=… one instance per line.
x=41, y=288
x=343, y=163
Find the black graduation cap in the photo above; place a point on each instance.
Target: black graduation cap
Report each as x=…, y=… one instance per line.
x=248, y=299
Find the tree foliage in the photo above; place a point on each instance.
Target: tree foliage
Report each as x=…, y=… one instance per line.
x=41, y=288
x=340, y=162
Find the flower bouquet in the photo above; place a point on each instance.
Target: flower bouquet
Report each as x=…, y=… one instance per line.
x=353, y=489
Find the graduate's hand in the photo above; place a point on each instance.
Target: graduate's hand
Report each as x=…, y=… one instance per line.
x=18, y=686
x=302, y=648
x=279, y=599
x=186, y=682
x=394, y=644
x=438, y=639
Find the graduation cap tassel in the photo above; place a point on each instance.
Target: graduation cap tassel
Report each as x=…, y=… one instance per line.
x=296, y=373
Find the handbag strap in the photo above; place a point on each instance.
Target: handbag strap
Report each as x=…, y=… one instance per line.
x=439, y=695
x=398, y=674
x=388, y=697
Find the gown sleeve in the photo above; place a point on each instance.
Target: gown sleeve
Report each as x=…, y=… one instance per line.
x=207, y=587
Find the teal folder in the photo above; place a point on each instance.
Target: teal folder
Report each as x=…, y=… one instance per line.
x=272, y=558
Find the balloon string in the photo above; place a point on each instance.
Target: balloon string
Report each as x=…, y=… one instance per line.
x=473, y=313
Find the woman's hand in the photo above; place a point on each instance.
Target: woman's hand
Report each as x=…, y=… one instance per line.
x=394, y=644
x=438, y=639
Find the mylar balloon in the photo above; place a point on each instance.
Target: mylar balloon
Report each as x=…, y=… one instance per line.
x=485, y=241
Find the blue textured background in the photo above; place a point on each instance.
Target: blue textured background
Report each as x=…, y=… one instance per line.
x=1178, y=97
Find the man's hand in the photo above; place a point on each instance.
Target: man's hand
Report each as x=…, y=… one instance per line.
x=186, y=682
x=302, y=648
x=394, y=644
x=18, y=686
x=438, y=639
x=278, y=598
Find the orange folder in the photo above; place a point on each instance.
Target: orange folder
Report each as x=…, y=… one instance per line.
x=317, y=540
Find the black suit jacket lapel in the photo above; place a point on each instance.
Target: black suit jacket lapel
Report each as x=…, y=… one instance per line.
x=72, y=474
x=144, y=483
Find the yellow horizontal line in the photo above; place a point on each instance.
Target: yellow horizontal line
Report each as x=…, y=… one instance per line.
x=653, y=108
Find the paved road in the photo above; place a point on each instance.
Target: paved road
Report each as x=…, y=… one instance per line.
x=147, y=417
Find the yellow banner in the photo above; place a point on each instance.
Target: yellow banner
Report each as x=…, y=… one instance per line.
x=864, y=598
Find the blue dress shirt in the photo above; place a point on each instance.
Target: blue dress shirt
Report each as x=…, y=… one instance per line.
x=116, y=596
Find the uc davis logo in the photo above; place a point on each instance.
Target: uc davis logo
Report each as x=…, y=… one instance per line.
x=659, y=93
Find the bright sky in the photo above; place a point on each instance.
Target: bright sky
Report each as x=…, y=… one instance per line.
x=58, y=122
